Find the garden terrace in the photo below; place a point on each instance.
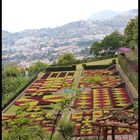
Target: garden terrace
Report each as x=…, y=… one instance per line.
x=100, y=92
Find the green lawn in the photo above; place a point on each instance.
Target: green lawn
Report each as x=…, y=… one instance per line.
x=101, y=62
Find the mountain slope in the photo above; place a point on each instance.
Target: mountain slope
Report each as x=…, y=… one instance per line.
x=82, y=30
x=104, y=15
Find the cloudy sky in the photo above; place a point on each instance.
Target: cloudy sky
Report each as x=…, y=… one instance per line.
x=18, y=15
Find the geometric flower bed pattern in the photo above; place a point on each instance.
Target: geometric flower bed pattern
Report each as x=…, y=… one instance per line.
x=97, y=72
x=102, y=98
x=51, y=84
x=84, y=100
x=84, y=123
x=119, y=97
x=39, y=94
x=106, y=82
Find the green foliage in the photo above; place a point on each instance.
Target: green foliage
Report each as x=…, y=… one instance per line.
x=66, y=57
x=21, y=129
x=109, y=43
x=37, y=67
x=95, y=48
x=13, y=80
x=135, y=105
x=66, y=129
x=131, y=33
x=93, y=79
x=11, y=84
x=112, y=41
x=24, y=133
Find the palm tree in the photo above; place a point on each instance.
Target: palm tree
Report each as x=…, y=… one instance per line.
x=66, y=129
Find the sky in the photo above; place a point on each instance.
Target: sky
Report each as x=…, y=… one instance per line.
x=18, y=15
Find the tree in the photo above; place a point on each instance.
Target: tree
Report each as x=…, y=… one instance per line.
x=37, y=67
x=112, y=41
x=109, y=44
x=66, y=129
x=66, y=58
x=95, y=48
x=131, y=33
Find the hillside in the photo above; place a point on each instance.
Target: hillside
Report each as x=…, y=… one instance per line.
x=79, y=34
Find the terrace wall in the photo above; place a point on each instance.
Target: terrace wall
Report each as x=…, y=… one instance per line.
x=128, y=86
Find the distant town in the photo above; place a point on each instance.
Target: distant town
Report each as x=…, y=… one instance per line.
x=28, y=46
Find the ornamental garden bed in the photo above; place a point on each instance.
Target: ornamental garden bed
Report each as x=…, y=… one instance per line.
x=97, y=72
x=84, y=124
x=102, y=98
x=105, y=81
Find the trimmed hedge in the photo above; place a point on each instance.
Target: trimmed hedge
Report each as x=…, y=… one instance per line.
x=86, y=60
x=85, y=67
x=61, y=68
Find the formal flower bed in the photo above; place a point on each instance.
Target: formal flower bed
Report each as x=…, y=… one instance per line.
x=97, y=72
x=84, y=123
x=22, y=102
x=102, y=98
x=120, y=97
x=52, y=83
x=105, y=81
x=84, y=101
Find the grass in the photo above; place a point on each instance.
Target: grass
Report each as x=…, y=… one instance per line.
x=102, y=62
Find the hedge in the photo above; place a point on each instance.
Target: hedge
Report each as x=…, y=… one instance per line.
x=86, y=60
x=61, y=68
x=85, y=67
